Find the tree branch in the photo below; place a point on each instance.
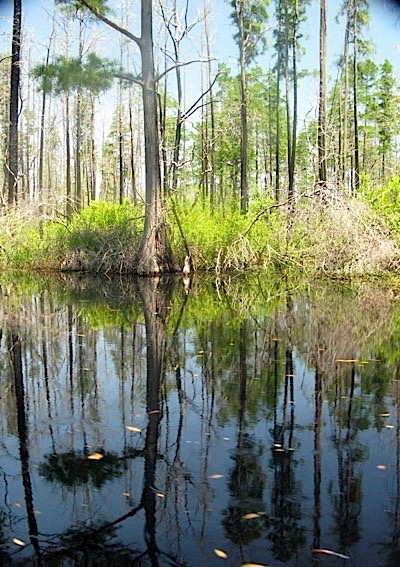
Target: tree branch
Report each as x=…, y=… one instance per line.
x=111, y=24
x=179, y=64
x=128, y=78
x=194, y=106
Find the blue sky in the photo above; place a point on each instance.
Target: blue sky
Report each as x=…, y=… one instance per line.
x=384, y=33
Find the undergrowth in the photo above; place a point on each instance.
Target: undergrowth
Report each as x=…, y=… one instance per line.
x=340, y=237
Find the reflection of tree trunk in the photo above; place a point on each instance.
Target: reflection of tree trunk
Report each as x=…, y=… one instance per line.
x=242, y=379
x=16, y=360
x=317, y=458
x=154, y=293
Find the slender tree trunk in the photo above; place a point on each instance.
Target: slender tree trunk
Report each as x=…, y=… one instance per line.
x=92, y=157
x=294, y=123
x=244, y=184
x=12, y=157
x=355, y=102
x=345, y=97
x=68, y=157
x=322, y=173
x=42, y=127
x=210, y=141
x=278, y=128
x=132, y=151
x=120, y=149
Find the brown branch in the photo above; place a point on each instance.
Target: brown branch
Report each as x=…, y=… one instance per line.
x=111, y=24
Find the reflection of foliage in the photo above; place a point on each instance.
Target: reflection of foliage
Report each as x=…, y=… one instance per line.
x=74, y=468
x=89, y=546
x=4, y=551
x=246, y=486
x=287, y=535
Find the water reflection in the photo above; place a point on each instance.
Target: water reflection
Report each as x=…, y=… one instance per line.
x=151, y=423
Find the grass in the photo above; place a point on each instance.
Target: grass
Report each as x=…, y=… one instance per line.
x=344, y=237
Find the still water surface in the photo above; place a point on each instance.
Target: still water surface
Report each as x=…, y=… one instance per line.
x=228, y=422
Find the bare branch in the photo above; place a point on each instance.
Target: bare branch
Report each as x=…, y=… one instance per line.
x=179, y=64
x=195, y=106
x=129, y=78
x=111, y=24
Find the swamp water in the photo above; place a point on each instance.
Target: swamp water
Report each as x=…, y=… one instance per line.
x=226, y=423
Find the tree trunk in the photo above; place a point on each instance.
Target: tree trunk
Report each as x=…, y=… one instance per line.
x=68, y=157
x=12, y=158
x=155, y=254
x=355, y=102
x=244, y=187
x=322, y=174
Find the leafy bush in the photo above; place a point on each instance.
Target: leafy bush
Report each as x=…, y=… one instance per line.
x=385, y=200
x=102, y=237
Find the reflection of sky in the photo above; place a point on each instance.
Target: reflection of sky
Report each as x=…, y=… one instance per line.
x=200, y=455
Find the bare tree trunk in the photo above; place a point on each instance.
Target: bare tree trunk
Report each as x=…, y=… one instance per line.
x=68, y=157
x=322, y=175
x=355, y=102
x=210, y=141
x=42, y=126
x=155, y=255
x=244, y=184
x=132, y=152
x=12, y=157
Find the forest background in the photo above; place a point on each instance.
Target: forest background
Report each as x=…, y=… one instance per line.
x=278, y=136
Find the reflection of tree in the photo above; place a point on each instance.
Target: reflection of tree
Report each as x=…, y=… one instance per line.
x=287, y=535
x=246, y=482
x=350, y=453
x=393, y=545
x=15, y=351
x=74, y=468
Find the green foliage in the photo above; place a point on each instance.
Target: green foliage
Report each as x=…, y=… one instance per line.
x=385, y=200
x=221, y=240
x=102, y=237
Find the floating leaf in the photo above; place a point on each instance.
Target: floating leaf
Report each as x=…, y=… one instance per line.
x=254, y=565
x=220, y=553
x=387, y=414
x=346, y=360
x=18, y=542
x=153, y=411
x=133, y=428
x=250, y=516
x=96, y=456
x=216, y=476
x=329, y=552
x=381, y=467
x=160, y=494
x=388, y=426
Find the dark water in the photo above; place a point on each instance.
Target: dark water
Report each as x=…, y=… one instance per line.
x=238, y=421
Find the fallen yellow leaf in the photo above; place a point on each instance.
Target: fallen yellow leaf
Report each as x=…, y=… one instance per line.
x=250, y=516
x=133, y=428
x=220, y=553
x=18, y=542
x=329, y=552
x=254, y=565
x=381, y=467
x=346, y=360
x=96, y=456
x=216, y=476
